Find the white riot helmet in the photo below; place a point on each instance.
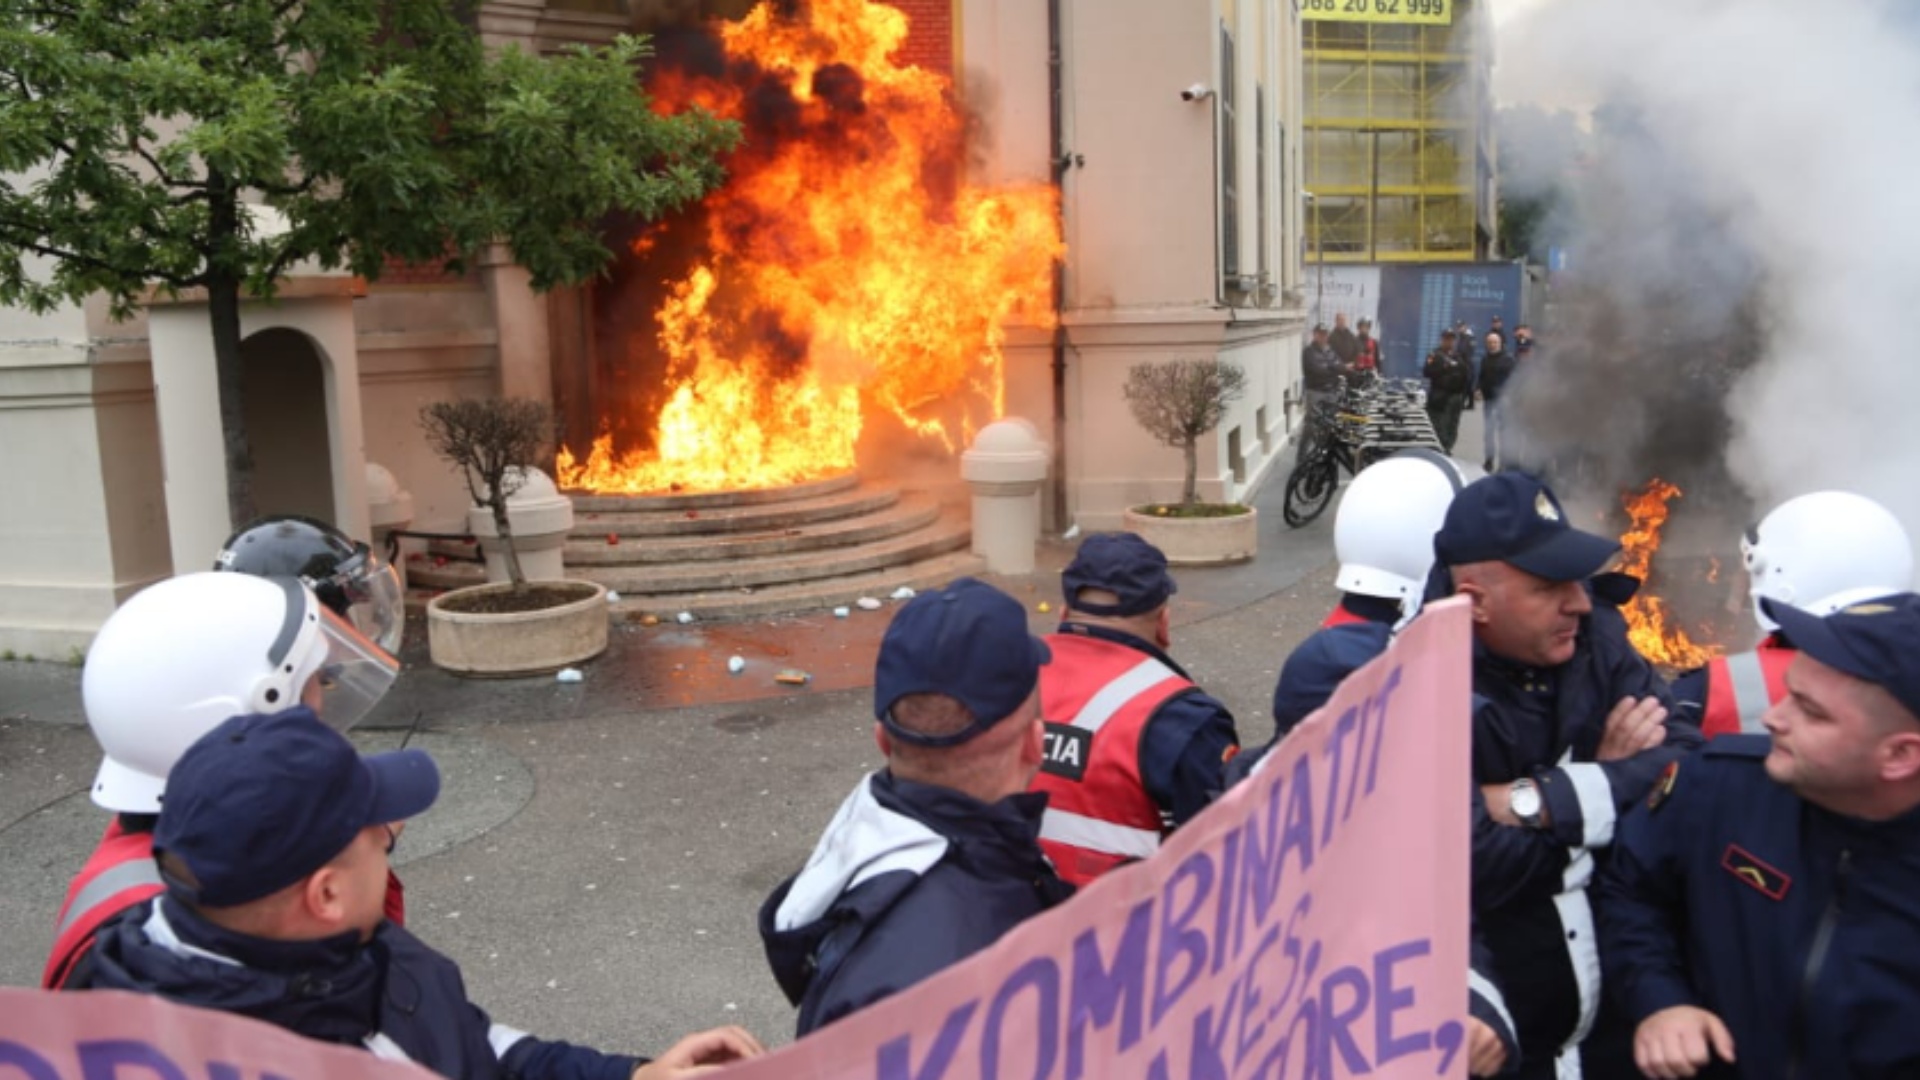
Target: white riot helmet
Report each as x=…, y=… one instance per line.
x=187, y=653
x=1383, y=531
x=1818, y=550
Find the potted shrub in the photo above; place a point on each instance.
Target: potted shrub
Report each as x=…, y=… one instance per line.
x=516, y=627
x=1177, y=402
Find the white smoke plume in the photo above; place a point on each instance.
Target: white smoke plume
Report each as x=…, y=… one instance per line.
x=1770, y=186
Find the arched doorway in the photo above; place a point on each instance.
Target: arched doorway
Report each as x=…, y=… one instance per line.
x=283, y=382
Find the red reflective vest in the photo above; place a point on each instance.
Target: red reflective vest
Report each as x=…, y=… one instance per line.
x=1340, y=616
x=121, y=874
x=1741, y=687
x=1098, y=696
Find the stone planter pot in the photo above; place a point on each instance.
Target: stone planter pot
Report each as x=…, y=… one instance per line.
x=518, y=642
x=1198, y=541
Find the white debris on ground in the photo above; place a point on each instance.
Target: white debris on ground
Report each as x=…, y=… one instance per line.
x=572, y=674
x=684, y=618
x=736, y=664
x=841, y=612
x=612, y=597
x=902, y=593
x=867, y=603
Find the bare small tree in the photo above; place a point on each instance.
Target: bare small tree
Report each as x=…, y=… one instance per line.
x=1178, y=401
x=493, y=441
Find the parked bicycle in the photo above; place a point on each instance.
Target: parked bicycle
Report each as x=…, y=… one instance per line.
x=1369, y=422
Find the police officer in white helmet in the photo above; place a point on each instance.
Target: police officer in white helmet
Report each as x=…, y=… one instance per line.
x=1817, y=552
x=167, y=667
x=1383, y=535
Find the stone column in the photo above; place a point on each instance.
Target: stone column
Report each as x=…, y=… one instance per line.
x=520, y=320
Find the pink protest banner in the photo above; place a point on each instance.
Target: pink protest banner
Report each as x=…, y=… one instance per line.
x=112, y=1035
x=1313, y=923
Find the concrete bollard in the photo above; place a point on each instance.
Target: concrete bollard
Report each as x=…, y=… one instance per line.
x=1005, y=467
x=541, y=517
x=388, y=508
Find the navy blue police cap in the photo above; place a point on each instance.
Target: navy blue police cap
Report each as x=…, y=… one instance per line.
x=1123, y=564
x=1514, y=518
x=263, y=801
x=1877, y=640
x=968, y=641
x=1318, y=666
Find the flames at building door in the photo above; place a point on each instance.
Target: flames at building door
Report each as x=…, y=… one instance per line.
x=845, y=271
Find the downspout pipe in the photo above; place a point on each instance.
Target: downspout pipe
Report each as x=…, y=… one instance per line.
x=1060, y=162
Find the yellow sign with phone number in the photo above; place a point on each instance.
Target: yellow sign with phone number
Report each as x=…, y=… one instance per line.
x=1430, y=12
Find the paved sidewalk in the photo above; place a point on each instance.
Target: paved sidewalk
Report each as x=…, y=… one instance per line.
x=601, y=849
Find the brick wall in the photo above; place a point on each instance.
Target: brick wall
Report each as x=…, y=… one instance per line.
x=398, y=272
x=930, y=40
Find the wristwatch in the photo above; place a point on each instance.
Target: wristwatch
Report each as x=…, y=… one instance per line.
x=1523, y=798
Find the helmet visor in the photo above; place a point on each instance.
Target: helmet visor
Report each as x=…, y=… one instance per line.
x=354, y=674
x=377, y=608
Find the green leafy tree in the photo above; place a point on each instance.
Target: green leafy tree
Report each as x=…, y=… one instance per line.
x=134, y=134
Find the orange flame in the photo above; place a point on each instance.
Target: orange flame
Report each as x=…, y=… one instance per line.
x=844, y=239
x=1649, y=626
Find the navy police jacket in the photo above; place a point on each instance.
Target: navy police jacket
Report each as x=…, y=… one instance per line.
x=1529, y=885
x=1798, y=927
x=392, y=995
x=908, y=879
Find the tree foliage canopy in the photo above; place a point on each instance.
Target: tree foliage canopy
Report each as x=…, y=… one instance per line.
x=1177, y=401
x=493, y=442
x=133, y=131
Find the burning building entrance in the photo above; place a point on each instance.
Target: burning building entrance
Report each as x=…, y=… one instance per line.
x=847, y=287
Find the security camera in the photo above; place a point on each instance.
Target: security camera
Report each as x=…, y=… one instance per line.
x=1196, y=92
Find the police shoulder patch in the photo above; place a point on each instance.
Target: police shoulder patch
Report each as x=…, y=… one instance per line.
x=1663, y=787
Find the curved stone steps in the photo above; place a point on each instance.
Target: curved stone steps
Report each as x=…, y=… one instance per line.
x=623, y=520
x=802, y=596
x=586, y=502
x=909, y=513
x=938, y=538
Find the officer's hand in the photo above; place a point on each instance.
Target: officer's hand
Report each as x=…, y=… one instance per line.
x=1486, y=1054
x=1680, y=1041
x=1633, y=726
x=700, y=1053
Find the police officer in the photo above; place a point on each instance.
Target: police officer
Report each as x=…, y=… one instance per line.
x=1761, y=915
x=1818, y=552
x=1449, y=387
x=344, y=573
x=1320, y=371
x=1134, y=749
x=936, y=856
x=1570, y=728
x=178, y=658
x=1383, y=535
x=274, y=846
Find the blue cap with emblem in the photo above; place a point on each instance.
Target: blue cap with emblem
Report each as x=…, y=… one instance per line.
x=262, y=801
x=1876, y=640
x=1123, y=564
x=1514, y=518
x=968, y=641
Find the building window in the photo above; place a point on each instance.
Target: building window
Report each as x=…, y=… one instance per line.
x=1262, y=238
x=1229, y=162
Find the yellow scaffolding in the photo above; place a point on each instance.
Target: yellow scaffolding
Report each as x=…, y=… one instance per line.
x=1398, y=140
